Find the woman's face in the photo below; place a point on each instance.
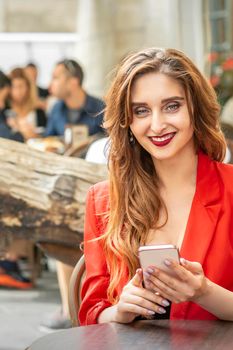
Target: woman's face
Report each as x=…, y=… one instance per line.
x=161, y=121
x=19, y=90
x=60, y=82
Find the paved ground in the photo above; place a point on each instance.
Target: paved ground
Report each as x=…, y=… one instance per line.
x=22, y=311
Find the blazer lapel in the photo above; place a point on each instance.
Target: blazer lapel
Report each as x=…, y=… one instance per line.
x=204, y=212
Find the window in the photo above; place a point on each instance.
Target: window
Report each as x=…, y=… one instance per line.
x=221, y=15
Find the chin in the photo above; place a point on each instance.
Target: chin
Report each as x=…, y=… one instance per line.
x=162, y=157
x=161, y=154
x=165, y=154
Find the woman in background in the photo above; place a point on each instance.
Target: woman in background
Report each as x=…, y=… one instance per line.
x=23, y=115
x=10, y=272
x=167, y=185
x=5, y=131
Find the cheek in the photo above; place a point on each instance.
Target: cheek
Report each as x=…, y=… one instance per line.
x=184, y=123
x=54, y=86
x=24, y=92
x=188, y=131
x=5, y=94
x=189, y=127
x=15, y=93
x=139, y=126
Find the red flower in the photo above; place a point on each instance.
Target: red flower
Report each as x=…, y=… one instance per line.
x=213, y=56
x=228, y=64
x=214, y=80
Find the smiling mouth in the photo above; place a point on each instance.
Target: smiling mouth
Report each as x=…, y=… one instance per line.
x=163, y=140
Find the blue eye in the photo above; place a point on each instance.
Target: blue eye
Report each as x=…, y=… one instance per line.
x=140, y=111
x=172, y=107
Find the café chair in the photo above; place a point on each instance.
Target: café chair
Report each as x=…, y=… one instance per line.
x=79, y=148
x=75, y=290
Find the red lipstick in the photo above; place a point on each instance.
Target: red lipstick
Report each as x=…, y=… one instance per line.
x=163, y=140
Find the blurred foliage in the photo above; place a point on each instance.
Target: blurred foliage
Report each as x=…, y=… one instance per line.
x=221, y=74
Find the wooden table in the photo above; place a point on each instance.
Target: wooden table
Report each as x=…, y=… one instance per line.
x=143, y=335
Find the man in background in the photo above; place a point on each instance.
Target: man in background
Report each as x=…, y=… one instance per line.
x=75, y=105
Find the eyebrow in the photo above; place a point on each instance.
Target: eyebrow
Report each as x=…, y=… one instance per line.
x=172, y=98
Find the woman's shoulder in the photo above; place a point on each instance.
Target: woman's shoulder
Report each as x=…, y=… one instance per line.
x=102, y=187
x=225, y=172
x=99, y=193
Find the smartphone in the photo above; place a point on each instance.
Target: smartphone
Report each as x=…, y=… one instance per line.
x=154, y=255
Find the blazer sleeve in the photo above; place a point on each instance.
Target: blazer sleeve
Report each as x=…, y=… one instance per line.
x=95, y=285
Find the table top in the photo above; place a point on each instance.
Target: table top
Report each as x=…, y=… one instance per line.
x=160, y=334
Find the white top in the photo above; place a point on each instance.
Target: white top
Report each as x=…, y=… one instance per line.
x=98, y=151
x=227, y=158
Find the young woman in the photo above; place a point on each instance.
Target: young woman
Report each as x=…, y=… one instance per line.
x=18, y=123
x=5, y=130
x=24, y=116
x=167, y=186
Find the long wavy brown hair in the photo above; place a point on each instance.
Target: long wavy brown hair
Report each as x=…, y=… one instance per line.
x=135, y=202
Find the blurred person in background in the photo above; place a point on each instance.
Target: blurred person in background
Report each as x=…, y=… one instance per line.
x=10, y=272
x=17, y=122
x=75, y=105
x=44, y=98
x=24, y=116
x=5, y=130
x=31, y=71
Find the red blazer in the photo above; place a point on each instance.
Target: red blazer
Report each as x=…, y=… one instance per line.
x=208, y=239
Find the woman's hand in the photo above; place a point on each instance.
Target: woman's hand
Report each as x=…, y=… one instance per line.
x=12, y=123
x=188, y=284
x=26, y=129
x=135, y=301
x=21, y=125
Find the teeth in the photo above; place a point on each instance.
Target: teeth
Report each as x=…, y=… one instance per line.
x=163, y=138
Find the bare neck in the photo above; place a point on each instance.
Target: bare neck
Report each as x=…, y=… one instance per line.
x=21, y=109
x=177, y=173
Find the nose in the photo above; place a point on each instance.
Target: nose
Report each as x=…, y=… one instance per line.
x=158, y=123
